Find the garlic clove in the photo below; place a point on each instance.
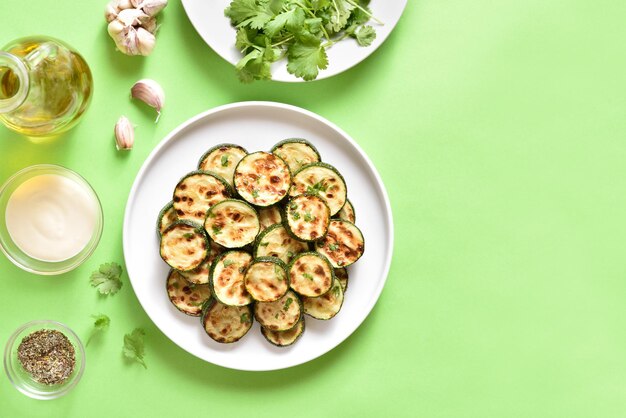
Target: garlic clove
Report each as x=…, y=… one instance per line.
x=150, y=7
x=150, y=24
x=114, y=7
x=131, y=17
x=151, y=93
x=145, y=41
x=124, y=134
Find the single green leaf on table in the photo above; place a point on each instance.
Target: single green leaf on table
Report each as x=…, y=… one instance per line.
x=101, y=323
x=107, y=279
x=134, y=346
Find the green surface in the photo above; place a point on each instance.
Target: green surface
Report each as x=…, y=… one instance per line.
x=506, y=296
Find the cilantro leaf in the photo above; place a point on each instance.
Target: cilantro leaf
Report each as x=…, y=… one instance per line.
x=306, y=60
x=101, y=323
x=134, y=346
x=365, y=35
x=252, y=13
x=224, y=160
x=107, y=278
x=291, y=19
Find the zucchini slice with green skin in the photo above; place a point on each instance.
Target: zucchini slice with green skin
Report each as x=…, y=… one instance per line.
x=284, y=338
x=186, y=297
x=227, y=278
x=222, y=160
x=310, y=274
x=197, y=192
x=280, y=315
x=275, y=241
x=347, y=212
x=232, y=223
x=323, y=180
x=269, y=216
x=341, y=274
x=226, y=324
x=167, y=216
x=326, y=306
x=199, y=275
x=184, y=245
x=262, y=179
x=266, y=279
x=343, y=244
x=307, y=217
x=296, y=152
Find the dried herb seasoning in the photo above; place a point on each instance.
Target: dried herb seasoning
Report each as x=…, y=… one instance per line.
x=48, y=356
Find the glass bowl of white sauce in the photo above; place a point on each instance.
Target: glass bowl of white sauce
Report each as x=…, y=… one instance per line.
x=51, y=219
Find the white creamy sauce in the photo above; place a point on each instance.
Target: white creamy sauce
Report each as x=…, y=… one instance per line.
x=51, y=217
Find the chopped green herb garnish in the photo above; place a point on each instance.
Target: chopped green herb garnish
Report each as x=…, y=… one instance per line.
x=188, y=235
x=308, y=217
x=276, y=316
x=307, y=276
x=217, y=229
x=333, y=246
x=279, y=272
x=317, y=188
x=228, y=263
x=288, y=302
x=245, y=318
x=336, y=291
x=225, y=160
x=293, y=206
x=290, y=254
x=255, y=193
x=295, y=216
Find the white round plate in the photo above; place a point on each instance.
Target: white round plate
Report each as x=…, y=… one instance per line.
x=207, y=16
x=255, y=126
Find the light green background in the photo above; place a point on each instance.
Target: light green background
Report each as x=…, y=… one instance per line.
x=499, y=129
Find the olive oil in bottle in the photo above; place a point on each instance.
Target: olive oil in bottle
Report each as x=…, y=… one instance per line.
x=45, y=86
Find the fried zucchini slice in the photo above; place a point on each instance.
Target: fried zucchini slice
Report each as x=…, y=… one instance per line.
x=307, y=217
x=341, y=274
x=310, y=274
x=222, y=160
x=232, y=223
x=343, y=244
x=269, y=216
x=227, y=278
x=266, y=279
x=226, y=324
x=262, y=179
x=347, y=212
x=296, y=152
x=184, y=245
x=280, y=315
x=322, y=180
x=167, y=216
x=326, y=306
x=186, y=297
x=197, y=192
x=284, y=338
x=275, y=241
x=199, y=275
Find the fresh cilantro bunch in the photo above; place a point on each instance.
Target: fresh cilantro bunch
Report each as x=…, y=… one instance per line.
x=301, y=30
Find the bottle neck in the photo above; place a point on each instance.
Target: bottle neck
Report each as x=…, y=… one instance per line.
x=13, y=82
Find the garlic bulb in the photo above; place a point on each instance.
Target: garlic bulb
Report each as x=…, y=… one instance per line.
x=132, y=24
x=124, y=134
x=149, y=92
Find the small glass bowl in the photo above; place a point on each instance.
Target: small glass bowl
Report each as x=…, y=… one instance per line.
x=19, y=257
x=23, y=381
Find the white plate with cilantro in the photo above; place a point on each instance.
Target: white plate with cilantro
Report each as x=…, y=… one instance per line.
x=288, y=40
x=255, y=126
